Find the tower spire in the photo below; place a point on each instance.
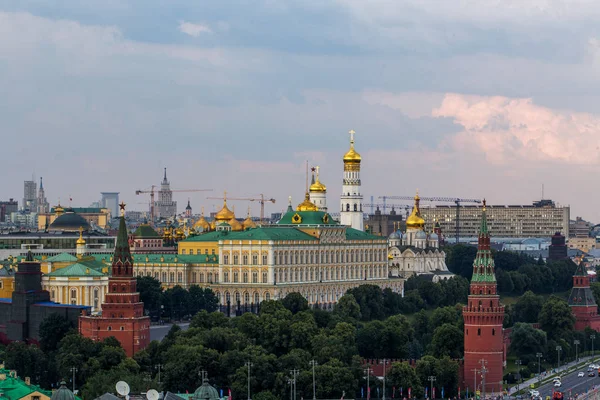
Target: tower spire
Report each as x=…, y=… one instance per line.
x=41, y=184
x=122, y=256
x=165, y=178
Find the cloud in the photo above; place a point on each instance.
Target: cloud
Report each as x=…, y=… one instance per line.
x=194, y=30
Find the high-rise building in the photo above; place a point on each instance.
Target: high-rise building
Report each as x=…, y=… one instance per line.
x=165, y=207
x=483, y=317
x=30, y=196
x=351, y=212
x=513, y=221
x=7, y=208
x=42, y=204
x=122, y=312
x=110, y=200
x=384, y=224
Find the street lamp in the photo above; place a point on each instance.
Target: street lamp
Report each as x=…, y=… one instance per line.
x=158, y=367
x=431, y=379
x=558, y=350
x=368, y=373
x=576, y=343
x=313, y=363
x=539, y=356
x=593, y=336
x=74, y=370
x=249, y=365
x=294, y=374
x=518, y=362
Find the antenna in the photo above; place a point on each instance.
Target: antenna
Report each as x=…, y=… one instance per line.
x=306, y=176
x=542, y=191
x=122, y=388
x=152, y=394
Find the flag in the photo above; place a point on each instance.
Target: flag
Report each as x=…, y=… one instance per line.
x=343, y=394
x=394, y=392
x=229, y=397
x=442, y=392
x=368, y=392
x=459, y=392
x=467, y=392
x=362, y=392
x=221, y=393
x=409, y=390
x=426, y=391
x=433, y=392
x=377, y=391
x=400, y=391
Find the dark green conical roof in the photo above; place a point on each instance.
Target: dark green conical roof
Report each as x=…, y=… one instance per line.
x=122, y=253
x=483, y=266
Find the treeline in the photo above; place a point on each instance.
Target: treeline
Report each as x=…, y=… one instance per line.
x=516, y=273
x=285, y=335
x=174, y=303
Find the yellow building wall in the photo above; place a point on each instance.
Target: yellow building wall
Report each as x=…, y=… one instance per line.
x=7, y=286
x=198, y=247
x=100, y=219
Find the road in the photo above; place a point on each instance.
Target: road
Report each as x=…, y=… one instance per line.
x=158, y=332
x=571, y=384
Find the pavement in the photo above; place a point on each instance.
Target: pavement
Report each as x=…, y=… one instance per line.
x=158, y=332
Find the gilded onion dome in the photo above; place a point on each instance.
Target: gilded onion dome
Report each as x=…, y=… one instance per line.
x=225, y=214
x=352, y=156
x=81, y=240
x=202, y=222
x=414, y=220
x=317, y=186
x=307, y=205
x=248, y=223
x=235, y=225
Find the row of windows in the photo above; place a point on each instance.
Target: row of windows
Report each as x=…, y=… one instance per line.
x=327, y=256
x=245, y=259
x=170, y=277
x=325, y=274
x=236, y=277
x=238, y=298
x=198, y=252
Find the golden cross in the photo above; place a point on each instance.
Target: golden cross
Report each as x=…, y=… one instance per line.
x=80, y=231
x=317, y=168
x=225, y=195
x=351, y=132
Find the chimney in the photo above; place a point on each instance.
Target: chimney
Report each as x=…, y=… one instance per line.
x=27, y=380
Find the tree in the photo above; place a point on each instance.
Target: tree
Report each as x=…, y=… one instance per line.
x=402, y=375
x=202, y=299
x=526, y=341
x=459, y=259
x=176, y=302
x=295, y=302
x=206, y=320
x=150, y=290
x=527, y=308
x=448, y=340
x=347, y=308
x=52, y=330
x=370, y=300
x=556, y=318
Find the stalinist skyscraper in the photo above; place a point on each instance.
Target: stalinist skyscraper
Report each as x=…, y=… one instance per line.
x=351, y=212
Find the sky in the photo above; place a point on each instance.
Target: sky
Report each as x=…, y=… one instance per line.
x=465, y=98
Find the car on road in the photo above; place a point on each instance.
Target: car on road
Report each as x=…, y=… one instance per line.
x=534, y=393
x=580, y=374
x=557, y=384
x=592, y=373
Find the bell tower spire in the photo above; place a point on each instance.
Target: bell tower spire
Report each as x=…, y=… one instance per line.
x=351, y=212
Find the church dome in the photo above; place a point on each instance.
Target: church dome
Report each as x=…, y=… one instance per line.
x=421, y=235
x=352, y=156
x=202, y=223
x=206, y=392
x=433, y=236
x=414, y=220
x=306, y=205
x=225, y=214
x=69, y=221
x=394, y=235
x=235, y=225
x=63, y=393
x=317, y=187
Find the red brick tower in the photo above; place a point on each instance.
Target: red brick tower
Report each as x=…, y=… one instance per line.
x=582, y=301
x=483, y=317
x=123, y=312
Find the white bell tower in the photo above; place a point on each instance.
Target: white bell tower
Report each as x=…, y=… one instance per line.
x=351, y=212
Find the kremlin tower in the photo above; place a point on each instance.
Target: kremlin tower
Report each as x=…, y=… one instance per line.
x=582, y=301
x=318, y=192
x=483, y=316
x=123, y=312
x=351, y=212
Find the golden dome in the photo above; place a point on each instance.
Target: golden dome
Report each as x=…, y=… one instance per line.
x=202, y=223
x=306, y=205
x=213, y=225
x=352, y=156
x=235, y=225
x=317, y=186
x=414, y=220
x=225, y=214
x=248, y=223
x=81, y=240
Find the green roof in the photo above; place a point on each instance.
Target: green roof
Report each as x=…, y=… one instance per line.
x=75, y=270
x=15, y=388
x=62, y=257
x=181, y=258
x=145, y=231
x=303, y=218
x=355, y=234
x=260, y=233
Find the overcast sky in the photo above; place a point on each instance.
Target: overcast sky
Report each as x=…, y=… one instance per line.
x=482, y=98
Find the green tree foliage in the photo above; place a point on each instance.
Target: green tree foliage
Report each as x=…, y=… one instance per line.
x=459, y=259
x=370, y=300
x=527, y=308
x=556, y=319
x=448, y=340
x=526, y=341
x=51, y=331
x=389, y=338
x=150, y=293
x=347, y=308
x=295, y=302
x=402, y=375
x=201, y=299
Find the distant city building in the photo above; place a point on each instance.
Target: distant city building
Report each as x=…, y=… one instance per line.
x=558, y=248
x=584, y=244
x=541, y=219
x=24, y=219
x=42, y=202
x=29, y=196
x=135, y=216
x=7, y=208
x=110, y=200
x=384, y=224
x=165, y=207
x=579, y=228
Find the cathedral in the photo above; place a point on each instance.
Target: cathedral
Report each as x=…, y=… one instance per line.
x=415, y=252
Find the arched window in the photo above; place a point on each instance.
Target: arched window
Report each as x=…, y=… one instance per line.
x=264, y=277
x=256, y=298
x=347, y=207
x=246, y=298
x=493, y=332
x=478, y=331
x=268, y=296
x=122, y=328
x=237, y=297
x=109, y=328
x=245, y=277
x=356, y=207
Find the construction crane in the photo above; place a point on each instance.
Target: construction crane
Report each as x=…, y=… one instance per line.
x=454, y=200
x=152, y=190
x=383, y=206
x=261, y=200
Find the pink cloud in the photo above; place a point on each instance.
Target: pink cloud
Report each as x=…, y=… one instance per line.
x=507, y=130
